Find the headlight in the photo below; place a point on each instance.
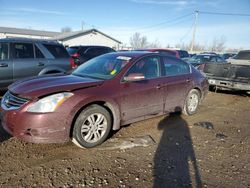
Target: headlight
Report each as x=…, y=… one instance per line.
x=49, y=103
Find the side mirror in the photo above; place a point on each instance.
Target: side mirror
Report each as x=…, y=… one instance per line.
x=134, y=77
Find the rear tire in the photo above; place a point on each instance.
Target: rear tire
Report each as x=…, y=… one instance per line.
x=92, y=127
x=192, y=102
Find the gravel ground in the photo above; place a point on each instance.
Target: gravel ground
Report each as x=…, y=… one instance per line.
x=209, y=149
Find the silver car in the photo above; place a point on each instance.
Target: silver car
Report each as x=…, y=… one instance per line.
x=21, y=58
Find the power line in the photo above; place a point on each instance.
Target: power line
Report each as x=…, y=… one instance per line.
x=156, y=25
x=223, y=13
x=167, y=26
x=168, y=21
x=187, y=33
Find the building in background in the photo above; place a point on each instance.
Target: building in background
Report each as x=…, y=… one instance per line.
x=7, y=32
x=88, y=37
x=83, y=37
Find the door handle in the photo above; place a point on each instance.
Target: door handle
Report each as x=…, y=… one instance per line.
x=3, y=65
x=188, y=80
x=40, y=64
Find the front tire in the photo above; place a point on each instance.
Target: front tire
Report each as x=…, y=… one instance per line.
x=92, y=127
x=192, y=102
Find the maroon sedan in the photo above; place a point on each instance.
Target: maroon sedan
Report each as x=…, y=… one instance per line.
x=99, y=96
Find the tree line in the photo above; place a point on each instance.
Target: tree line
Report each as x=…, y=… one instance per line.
x=217, y=45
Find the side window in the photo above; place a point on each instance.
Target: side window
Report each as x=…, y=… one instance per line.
x=4, y=51
x=213, y=59
x=23, y=50
x=219, y=59
x=105, y=50
x=38, y=53
x=96, y=51
x=174, y=67
x=148, y=66
x=57, y=51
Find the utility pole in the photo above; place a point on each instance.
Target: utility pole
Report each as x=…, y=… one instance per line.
x=82, y=24
x=194, y=31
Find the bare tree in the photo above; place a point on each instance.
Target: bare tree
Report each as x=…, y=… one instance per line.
x=168, y=46
x=155, y=44
x=218, y=44
x=66, y=29
x=138, y=41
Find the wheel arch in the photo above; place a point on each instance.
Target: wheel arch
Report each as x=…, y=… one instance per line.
x=112, y=108
x=51, y=70
x=199, y=90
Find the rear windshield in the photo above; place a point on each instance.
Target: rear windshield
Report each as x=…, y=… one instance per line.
x=172, y=53
x=57, y=51
x=72, y=50
x=183, y=53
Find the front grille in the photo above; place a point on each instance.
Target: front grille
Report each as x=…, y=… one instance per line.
x=12, y=102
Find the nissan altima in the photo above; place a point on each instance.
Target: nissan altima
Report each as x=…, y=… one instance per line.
x=101, y=95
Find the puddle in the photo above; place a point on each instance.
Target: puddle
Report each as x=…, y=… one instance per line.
x=127, y=143
x=220, y=136
x=206, y=125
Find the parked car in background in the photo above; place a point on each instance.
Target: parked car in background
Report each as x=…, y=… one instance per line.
x=81, y=54
x=198, y=61
x=228, y=76
x=175, y=53
x=101, y=95
x=242, y=58
x=183, y=54
x=20, y=58
x=226, y=56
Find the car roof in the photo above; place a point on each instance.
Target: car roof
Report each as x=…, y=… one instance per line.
x=88, y=46
x=136, y=54
x=155, y=49
x=18, y=39
x=206, y=54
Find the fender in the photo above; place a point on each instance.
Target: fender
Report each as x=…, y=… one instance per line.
x=116, y=114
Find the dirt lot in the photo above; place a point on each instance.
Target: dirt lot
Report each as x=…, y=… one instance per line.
x=210, y=149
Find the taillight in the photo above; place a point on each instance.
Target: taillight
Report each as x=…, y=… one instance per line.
x=72, y=63
x=74, y=59
x=75, y=55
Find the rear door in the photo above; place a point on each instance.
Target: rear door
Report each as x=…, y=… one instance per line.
x=143, y=98
x=178, y=82
x=25, y=63
x=6, y=66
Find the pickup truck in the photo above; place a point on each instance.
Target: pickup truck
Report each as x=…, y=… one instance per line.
x=234, y=75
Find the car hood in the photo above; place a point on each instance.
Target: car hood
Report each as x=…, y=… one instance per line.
x=40, y=86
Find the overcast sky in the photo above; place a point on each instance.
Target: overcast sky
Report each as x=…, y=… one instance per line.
x=168, y=21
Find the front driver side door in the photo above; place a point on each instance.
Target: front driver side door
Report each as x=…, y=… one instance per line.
x=144, y=98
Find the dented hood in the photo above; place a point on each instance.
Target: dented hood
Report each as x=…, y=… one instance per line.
x=45, y=85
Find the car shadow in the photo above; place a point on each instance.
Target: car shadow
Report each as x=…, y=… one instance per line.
x=231, y=92
x=175, y=159
x=3, y=134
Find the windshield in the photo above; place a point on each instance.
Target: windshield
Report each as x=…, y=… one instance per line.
x=102, y=67
x=199, y=58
